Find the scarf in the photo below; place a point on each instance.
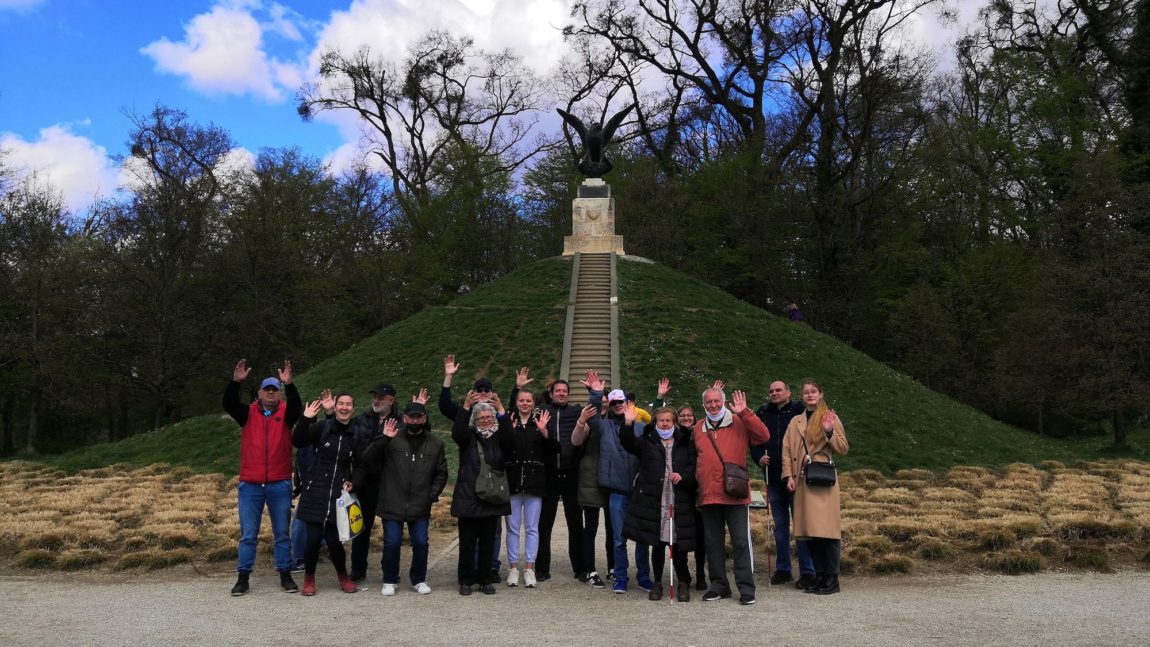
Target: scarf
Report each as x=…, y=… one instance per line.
x=486, y=433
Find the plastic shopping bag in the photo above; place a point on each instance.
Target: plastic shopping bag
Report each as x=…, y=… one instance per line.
x=348, y=517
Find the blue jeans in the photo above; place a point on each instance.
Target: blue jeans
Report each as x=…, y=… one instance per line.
x=782, y=507
x=617, y=507
x=251, y=498
x=298, y=541
x=393, y=539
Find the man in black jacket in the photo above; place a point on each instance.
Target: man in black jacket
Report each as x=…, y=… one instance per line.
x=413, y=472
x=369, y=426
x=776, y=414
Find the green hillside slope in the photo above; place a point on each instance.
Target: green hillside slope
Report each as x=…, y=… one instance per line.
x=672, y=325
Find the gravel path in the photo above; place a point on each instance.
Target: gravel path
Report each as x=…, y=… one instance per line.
x=181, y=607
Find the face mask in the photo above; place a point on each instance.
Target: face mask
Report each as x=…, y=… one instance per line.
x=417, y=429
x=665, y=433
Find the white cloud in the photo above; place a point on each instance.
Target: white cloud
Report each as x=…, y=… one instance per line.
x=531, y=28
x=223, y=53
x=71, y=164
x=19, y=4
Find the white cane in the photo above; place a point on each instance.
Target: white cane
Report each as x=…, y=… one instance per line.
x=750, y=546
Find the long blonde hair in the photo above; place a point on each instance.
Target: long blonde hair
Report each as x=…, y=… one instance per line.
x=814, y=428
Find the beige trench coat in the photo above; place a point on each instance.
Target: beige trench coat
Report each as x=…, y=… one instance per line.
x=816, y=508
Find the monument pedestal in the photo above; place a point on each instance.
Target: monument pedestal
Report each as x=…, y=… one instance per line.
x=593, y=221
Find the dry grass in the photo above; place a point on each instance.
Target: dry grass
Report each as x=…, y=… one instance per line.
x=1090, y=515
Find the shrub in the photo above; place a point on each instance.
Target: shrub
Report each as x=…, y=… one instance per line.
x=1089, y=557
x=71, y=560
x=36, y=558
x=154, y=559
x=933, y=549
x=995, y=539
x=859, y=555
x=876, y=543
x=892, y=564
x=1013, y=562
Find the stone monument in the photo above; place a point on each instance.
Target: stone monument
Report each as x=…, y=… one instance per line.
x=593, y=210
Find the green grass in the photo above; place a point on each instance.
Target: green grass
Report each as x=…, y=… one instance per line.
x=671, y=325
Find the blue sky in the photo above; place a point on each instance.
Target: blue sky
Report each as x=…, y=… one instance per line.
x=70, y=69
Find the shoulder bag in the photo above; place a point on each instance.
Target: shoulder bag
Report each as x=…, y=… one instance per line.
x=736, y=480
x=818, y=473
x=491, y=484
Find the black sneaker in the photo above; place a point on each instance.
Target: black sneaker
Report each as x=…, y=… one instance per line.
x=805, y=581
x=297, y=567
x=542, y=577
x=711, y=596
x=746, y=599
x=287, y=583
x=357, y=576
x=465, y=589
x=241, y=586
x=595, y=581
x=488, y=589
x=781, y=577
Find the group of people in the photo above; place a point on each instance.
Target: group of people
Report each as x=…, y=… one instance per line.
x=665, y=481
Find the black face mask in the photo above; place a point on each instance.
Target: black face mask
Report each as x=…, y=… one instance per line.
x=417, y=429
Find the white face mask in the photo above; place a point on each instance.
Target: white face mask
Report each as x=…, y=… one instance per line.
x=665, y=433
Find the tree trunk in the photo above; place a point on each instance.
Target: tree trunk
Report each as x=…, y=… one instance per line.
x=1119, y=422
x=33, y=420
x=8, y=447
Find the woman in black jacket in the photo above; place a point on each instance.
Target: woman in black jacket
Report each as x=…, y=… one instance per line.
x=477, y=427
x=529, y=449
x=662, y=509
x=337, y=449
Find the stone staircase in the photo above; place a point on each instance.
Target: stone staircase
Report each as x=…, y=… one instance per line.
x=591, y=340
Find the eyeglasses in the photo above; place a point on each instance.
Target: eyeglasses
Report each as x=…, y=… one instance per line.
x=483, y=390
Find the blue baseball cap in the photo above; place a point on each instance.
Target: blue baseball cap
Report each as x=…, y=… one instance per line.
x=270, y=383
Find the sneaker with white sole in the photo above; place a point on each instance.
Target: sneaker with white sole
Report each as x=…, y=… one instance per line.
x=513, y=576
x=529, y=578
x=595, y=581
x=422, y=588
x=388, y=589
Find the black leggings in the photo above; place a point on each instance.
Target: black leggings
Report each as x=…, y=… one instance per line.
x=678, y=561
x=317, y=533
x=825, y=554
x=476, y=534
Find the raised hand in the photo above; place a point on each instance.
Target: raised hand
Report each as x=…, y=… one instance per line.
x=497, y=403
x=390, y=428
x=450, y=368
x=592, y=381
x=421, y=398
x=719, y=384
x=629, y=413
x=829, y=419
x=470, y=399
x=285, y=372
x=521, y=379
x=542, y=421
x=327, y=400
x=587, y=413
x=738, y=402
x=664, y=388
x=312, y=409
x=241, y=371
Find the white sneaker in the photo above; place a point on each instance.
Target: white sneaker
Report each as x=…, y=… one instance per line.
x=513, y=576
x=388, y=590
x=529, y=578
x=422, y=588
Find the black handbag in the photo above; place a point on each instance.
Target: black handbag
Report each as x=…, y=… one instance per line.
x=819, y=473
x=736, y=479
x=491, y=484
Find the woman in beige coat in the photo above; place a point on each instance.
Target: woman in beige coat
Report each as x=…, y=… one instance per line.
x=817, y=516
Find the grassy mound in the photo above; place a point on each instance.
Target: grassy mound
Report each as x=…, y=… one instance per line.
x=671, y=325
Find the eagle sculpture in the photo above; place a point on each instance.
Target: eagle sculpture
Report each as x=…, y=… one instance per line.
x=595, y=140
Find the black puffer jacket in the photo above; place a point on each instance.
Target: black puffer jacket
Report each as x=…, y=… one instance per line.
x=642, y=522
x=464, y=503
x=528, y=454
x=413, y=473
x=337, y=448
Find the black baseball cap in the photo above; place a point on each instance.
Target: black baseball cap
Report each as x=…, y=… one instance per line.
x=415, y=409
x=383, y=389
x=483, y=384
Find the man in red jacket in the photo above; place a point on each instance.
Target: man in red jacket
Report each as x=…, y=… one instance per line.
x=265, y=468
x=723, y=436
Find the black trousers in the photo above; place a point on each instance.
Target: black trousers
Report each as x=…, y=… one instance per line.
x=476, y=534
x=732, y=521
x=361, y=545
x=700, y=548
x=566, y=487
x=316, y=534
x=678, y=562
x=826, y=554
x=590, y=528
